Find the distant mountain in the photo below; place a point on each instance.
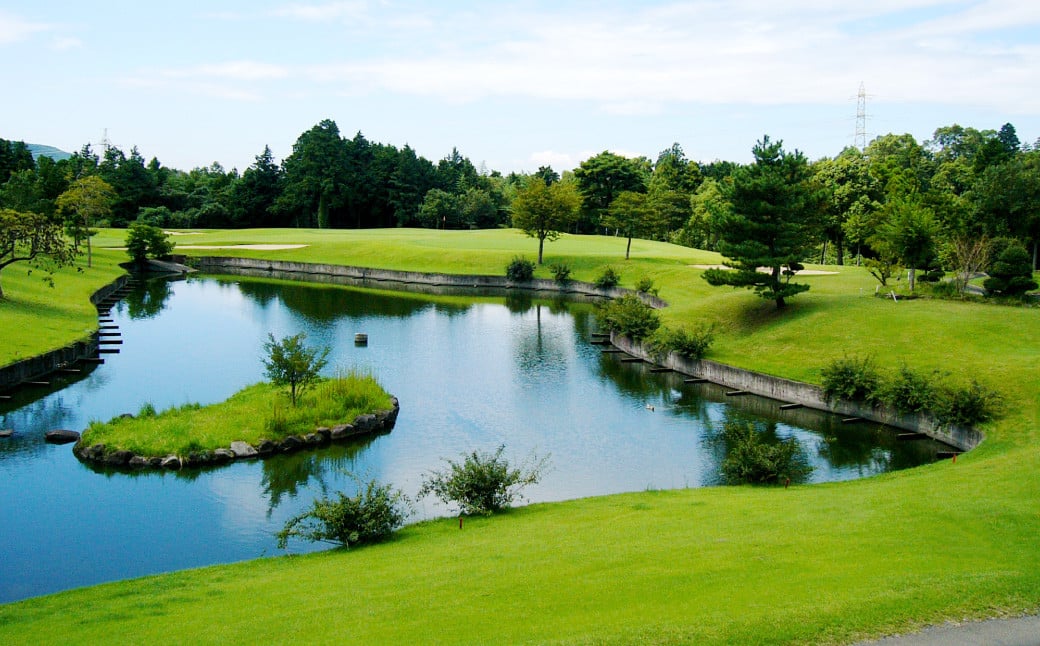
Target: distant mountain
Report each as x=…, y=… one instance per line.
x=47, y=151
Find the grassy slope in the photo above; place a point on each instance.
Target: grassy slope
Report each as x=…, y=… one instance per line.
x=737, y=565
x=35, y=318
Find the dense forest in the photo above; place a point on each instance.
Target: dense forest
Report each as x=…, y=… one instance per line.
x=945, y=194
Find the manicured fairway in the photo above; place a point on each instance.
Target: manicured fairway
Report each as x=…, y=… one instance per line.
x=822, y=563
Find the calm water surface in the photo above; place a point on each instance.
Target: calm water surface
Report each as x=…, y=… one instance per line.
x=517, y=371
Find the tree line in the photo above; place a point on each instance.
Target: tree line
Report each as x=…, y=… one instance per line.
x=925, y=206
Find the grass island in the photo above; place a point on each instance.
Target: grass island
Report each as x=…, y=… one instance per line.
x=257, y=420
x=829, y=563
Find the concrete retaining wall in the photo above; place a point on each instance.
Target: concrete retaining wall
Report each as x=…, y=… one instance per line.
x=810, y=396
x=41, y=365
x=407, y=280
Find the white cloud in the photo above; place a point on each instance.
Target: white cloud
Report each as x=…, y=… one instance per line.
x=322, y=12
x=635, y=61
x=14, y=29
x=64, y=43
x=232, y=70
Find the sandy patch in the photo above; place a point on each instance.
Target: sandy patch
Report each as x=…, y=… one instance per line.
x=765, y=270
x=183, y=233
x=258, y=247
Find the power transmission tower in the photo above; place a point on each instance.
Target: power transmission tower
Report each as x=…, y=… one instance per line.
x=861, y=117
x=105, y=142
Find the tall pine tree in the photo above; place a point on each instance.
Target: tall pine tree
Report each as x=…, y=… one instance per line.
x=774, y=224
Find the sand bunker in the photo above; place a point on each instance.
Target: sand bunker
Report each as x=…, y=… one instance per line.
x=258, y=247
x=765, y=270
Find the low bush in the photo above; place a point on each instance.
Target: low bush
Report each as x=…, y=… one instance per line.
x=520, y=269
x=147, y=410
x=369, y=516
x=628, y=316
x=910, y=392
x=646, y=285
x=852, y=379
x=687, y=343
x=561, y=272
x=966, y=405
x=608, y=278
x=482, y=483
x=752, y=460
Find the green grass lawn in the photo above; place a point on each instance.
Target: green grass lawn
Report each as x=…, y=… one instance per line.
x=822, y=563
x=35, y=317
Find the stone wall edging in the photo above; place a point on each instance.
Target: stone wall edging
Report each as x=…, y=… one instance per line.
x=309, y=271
x=32, y=368
x=381, y=421
x=808, y=395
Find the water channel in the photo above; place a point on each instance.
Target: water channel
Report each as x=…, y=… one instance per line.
x=470, y=374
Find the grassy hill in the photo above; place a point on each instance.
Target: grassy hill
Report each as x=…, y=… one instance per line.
x=827, y=563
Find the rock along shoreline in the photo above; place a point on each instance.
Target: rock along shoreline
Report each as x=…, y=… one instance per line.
x=363, y=425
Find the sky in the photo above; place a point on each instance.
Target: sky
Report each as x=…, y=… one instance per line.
x=511, y=85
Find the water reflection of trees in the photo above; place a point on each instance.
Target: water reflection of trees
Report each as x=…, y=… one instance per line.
x=147, y=300
x=284, y=475
x=328, y=303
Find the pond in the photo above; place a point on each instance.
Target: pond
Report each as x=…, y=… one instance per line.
x=470, y=374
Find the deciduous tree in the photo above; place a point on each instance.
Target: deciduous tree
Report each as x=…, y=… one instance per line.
x=289, y=363
x=88, y=199
x=544, y=212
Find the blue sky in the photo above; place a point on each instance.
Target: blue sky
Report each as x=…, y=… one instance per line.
x=513, y=85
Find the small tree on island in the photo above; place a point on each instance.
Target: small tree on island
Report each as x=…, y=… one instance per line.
x=289, y=363
x=773, y=224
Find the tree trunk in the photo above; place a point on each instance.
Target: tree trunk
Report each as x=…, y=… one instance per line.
x=823, y=254
x=839, y=247
x=86, y=225
x=628, y=249
x=541, y=243
x=1034, y=254
x=911, y=276
x=323, y=211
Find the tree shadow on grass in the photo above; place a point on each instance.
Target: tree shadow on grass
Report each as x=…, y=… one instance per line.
x=760, y=314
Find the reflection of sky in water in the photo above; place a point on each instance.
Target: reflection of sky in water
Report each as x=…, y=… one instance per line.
x=468, y=377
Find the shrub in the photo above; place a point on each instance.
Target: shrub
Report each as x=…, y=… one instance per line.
x=147, y=410
x=751, y=460
x=368, y=517
x=967, y=405
x=628, y=316
x=690, y=344
x=608, y=278
x=852, y=379
x=482, y=483
x=520, y=269
x=947, y=290
x=646, y=285
x=561, y=272
x=909, y=391
x=1012, y=271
